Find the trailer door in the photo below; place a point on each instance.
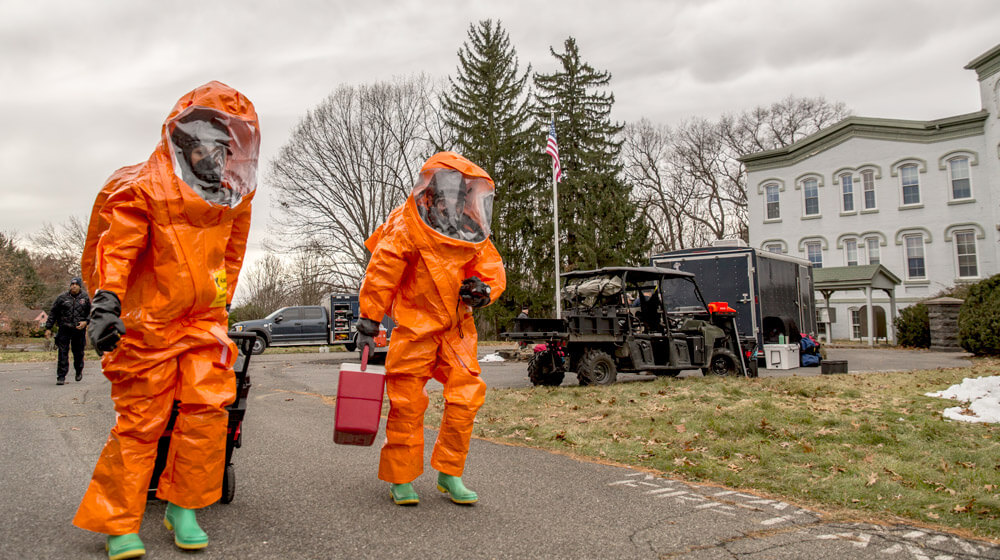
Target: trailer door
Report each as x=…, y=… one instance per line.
x=807, y=301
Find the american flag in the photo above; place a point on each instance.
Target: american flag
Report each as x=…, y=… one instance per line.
x=552, y=148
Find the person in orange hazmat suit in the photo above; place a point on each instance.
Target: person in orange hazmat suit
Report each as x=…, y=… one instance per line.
x=432, y=263
x=163, y=253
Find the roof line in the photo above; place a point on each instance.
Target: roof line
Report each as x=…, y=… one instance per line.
x=967, y=124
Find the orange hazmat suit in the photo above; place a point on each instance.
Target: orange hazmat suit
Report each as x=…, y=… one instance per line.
x=419, y=260
x=169, y=243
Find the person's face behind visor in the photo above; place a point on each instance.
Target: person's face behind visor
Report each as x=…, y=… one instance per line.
x=215, y=154
x=454, y=205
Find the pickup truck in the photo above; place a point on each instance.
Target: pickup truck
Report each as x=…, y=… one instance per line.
x=331, y=323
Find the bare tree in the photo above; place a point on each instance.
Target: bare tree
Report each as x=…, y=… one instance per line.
x=691, y=179
x=56, y=252
x=265, y=286
x=307, y=284
x=350, y=161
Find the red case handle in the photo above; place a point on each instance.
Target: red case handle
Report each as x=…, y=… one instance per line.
x=364, y=358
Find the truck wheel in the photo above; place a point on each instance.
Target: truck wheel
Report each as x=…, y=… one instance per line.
x=228, y=484
x=259, y=345
x=723, y=363
x=596, y=368
x=541, y=371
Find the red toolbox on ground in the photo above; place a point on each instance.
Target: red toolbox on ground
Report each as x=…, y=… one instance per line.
x=359, y=403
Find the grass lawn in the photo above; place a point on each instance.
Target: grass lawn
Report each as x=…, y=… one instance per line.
x=867, y=446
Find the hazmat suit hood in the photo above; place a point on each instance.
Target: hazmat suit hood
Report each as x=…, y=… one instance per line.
x=213, y=140
x=454, y=198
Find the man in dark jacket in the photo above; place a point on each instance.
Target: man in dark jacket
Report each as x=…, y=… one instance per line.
x=70, y=313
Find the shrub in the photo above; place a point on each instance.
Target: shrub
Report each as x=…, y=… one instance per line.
x=913, y=327
x=979, y=318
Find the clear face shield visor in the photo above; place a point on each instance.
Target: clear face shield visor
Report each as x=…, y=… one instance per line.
x=454, y=205
x=215, y=153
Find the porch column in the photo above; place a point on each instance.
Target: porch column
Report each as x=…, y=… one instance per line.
x=871, y=317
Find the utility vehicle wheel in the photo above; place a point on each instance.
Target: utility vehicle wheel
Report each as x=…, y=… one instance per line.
x=259, y=345
x=596, y=368
x=350, y=347
x=541, y=371
x=228, y=484
x=724, y=362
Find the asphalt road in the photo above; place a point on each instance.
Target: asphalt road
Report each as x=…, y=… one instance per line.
x=301, y=496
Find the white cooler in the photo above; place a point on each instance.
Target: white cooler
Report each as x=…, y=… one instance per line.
x=781, y=356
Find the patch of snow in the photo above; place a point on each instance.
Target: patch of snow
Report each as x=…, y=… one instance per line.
x=494, y=357
x=982, y=395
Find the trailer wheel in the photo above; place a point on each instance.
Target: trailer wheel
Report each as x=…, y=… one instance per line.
x=723, y=363
x=259, y=345
x=596, y=368
x=228, y=484
x=542, y=371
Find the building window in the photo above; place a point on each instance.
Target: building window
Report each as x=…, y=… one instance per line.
x=810, y=188
x=851, y=251
x=960, y=186
x=915, y=269
x=855, y=323
x=773, y=248
x=872, y=244
x=868, y=186
x=773, y=209
x=814, y=252
x=965, y=247
x=847, y=189
x=911, y=184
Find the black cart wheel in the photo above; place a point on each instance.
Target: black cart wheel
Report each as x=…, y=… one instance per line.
x=596, y=368
x=228, y=484
x=542, y=371
x=259, y=345
x=723, y=363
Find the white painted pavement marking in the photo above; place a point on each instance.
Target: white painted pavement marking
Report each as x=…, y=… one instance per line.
x=937, y=539
x=860, y=540
x=967, y=547
x=914, y=535
x=661, y=490
x=775, y=520
x=893, y=549
x=917, y=553
x=674, y=493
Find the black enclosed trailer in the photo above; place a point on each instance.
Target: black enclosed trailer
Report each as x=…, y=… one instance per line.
x=772, y=293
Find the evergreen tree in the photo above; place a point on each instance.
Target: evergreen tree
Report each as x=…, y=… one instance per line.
x=487, y=108
x=598, y=222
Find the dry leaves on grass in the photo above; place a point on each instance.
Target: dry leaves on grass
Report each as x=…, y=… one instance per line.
x=872, y=479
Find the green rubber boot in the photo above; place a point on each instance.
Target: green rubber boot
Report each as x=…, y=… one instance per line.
x=452, y=485
x=404, y=494
x=187, y=534
x=120, y=547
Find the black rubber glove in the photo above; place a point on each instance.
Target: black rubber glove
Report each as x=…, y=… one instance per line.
x=474, y=292
x=106, y=327
x=367, y=330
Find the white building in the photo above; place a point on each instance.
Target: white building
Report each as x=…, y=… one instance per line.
x=921, y=198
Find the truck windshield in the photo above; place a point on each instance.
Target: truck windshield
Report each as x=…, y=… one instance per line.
x=680, y=295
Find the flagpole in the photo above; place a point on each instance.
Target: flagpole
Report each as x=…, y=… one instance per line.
x=555, y=223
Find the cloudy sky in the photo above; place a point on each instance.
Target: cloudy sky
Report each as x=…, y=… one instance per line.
x=86, y=85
